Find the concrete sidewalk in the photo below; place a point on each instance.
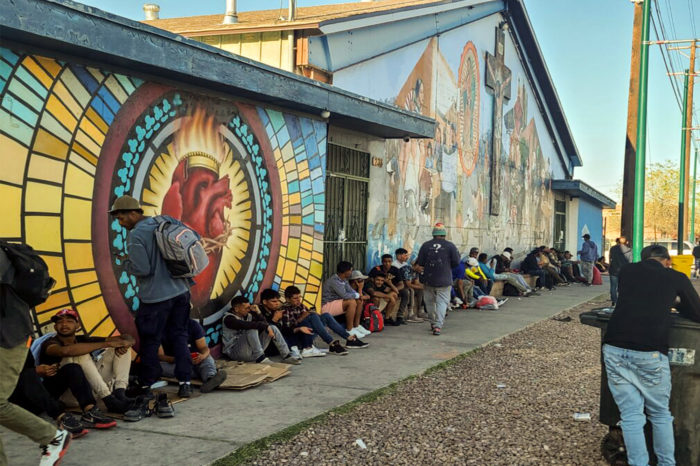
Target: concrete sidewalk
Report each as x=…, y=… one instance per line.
x=211, y=426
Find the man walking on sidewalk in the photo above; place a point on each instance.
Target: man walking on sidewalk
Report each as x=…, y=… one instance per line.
x=165, y=301
x=15, y=337
x=635, y=350
x=436, y=259
x=620, y=255
x=589, y=254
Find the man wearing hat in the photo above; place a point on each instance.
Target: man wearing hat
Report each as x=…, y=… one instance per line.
x=164, y=301
x=589, y=254
x=436, y=259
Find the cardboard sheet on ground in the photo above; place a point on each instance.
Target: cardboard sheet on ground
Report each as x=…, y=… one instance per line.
x=243, y=375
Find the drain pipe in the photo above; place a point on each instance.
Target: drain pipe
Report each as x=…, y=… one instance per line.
x=291, y=16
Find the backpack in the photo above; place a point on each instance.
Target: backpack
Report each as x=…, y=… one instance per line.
x=180, y=247
x=32, y=282
x=510, y=290
x=372, y=318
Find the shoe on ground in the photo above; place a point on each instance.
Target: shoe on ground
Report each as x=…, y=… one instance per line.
x=185, y=390
x=263, y=360
x=356, y=332
x=336, y=348
x=414, y=320
x=362, y=332
x=73, y=425
x=120, y=394
x=96, y=419
x=142, y=392
x=312, y=352
x=401, y=321
x=436, y=330
x=139, y=411
x=501, y=301
x=53, y=453
x=294, y=351
x=214, y=383
x=289, y=359
x=115, y=405
x=164, y=408
x=355, y=344
x=422, y=315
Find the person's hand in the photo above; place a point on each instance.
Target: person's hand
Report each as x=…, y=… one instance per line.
x=278, y=315
x=197, y=359
x=128, y=338
x=271, y=332
x=389, y=276
x=418, y=268
x=46, y=370
x=364, y=297
x=121, y=351
x=306, y=330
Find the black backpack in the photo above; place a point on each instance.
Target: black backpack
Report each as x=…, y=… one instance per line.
x=32, y=282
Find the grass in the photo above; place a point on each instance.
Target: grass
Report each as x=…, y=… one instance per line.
x=251, y=450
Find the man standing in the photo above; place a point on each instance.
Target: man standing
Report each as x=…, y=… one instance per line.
x=165, y=301
x=620, y=255
x=635, y=350
x=436, y=259
x=696, y=255
x=589, y=254
x=15, y=336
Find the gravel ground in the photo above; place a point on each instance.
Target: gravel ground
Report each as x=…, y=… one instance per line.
x=511, y=403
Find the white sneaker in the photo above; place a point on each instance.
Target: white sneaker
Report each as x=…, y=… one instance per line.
x=458, y=301
x=361, y=332
x=52, y=453
x=294, y=351
x=312, y=352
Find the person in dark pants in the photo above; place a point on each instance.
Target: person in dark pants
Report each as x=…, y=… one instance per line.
x=635, y=350
x=165, y=301
x=696, y=255
x=31, y=395
x=531, y=266
x=620, y=255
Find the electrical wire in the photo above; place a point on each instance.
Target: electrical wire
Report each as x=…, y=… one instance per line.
x=668, y=64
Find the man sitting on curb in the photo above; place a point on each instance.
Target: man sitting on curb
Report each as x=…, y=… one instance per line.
x=295, y=336
x=339, y=298
x=298, y=316
x=109, y=377
x=384, y=297
x=492, y=275
x=203, y=365
x=246, y=334
x=393, y=279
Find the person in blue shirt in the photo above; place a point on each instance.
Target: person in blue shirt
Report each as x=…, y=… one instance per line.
x=589, y=254
x=165, y=301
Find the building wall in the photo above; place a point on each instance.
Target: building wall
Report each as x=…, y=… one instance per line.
x=248, y=178
x=590, y=220
x=573, y=237
x=270, y=47
x=448, y=179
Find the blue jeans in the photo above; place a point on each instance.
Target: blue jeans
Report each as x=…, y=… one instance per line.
x=205, y=370
x=436, y=301
x=640, y=380
x=613, y=289
x=319, y=323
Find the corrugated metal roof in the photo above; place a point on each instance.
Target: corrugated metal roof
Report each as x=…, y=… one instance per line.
x=306, y=17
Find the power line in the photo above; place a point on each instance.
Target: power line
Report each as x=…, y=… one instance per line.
x=662, y=36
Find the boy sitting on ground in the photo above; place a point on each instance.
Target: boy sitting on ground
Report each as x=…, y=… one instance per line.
x=295, y=336
x=384, y=297
x=109, y=377
x=298, y=316
x=203, y=365
x=339, y=298
x=246, y=334
x=393, y=278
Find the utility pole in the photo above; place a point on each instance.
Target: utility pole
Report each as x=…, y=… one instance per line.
x=688, y=137
x=682, y=175
x=694, y=194
x=641, y=139
x=627, y=217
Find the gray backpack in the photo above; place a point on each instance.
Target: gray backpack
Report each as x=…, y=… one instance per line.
x=181, y=248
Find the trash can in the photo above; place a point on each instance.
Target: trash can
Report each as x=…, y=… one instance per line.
x=683, y=263
x=684, y=344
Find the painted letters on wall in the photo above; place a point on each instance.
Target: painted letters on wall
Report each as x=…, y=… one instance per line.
x=487, y=172
x=249, y=179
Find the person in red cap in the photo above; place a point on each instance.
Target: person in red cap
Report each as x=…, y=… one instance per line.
x=109, y=377
x=436, y=259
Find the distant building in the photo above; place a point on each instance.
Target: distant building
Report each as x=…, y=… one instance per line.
x=501, y=139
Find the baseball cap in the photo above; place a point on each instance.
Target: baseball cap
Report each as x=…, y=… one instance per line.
x=506, y=254
x=357, y=275
x=473, y=262
x=66, y=313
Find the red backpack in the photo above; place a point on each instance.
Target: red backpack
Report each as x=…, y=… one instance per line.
x=372, y=318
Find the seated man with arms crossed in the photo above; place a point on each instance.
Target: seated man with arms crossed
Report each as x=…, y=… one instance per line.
x=203, y=365
x=339, y=298
x=108, y=377
x=246, y=334
x=384, y=297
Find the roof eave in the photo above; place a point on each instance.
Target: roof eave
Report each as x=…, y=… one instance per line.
x=584, y=190
x=99, y=37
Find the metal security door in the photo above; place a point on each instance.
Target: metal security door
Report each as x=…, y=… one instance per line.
x=347, y=192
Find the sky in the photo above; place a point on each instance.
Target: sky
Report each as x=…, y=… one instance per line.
x=587, y=46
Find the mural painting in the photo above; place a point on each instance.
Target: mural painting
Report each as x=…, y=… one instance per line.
x=489, y=180
x=248, y=179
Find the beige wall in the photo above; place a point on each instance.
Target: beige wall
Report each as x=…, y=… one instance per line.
x=271, y=48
